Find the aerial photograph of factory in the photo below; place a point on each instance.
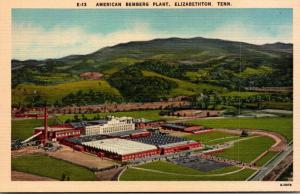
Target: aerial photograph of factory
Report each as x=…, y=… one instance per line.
x=152, y=95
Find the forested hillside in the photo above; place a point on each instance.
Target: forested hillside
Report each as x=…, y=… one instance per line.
x=152, y=71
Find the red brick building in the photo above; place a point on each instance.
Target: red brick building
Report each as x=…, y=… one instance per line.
x=57, y=132
x=150, y=124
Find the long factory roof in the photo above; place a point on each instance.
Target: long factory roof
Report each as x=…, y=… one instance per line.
x=120, y=146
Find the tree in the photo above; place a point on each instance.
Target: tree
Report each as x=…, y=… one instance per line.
x=76, y=118
x=63, y=177
x=83, y=117
x=68, y=121
x=244, y=133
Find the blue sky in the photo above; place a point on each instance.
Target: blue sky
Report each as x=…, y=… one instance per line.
x=51, y=33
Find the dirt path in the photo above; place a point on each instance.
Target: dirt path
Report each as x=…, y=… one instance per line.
x=259, y=157
x=109, y=175
x=280, y=142
x=22, y=176
x=279, y=145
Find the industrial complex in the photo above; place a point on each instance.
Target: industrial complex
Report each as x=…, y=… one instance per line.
x=114, y=147
x=119, y=138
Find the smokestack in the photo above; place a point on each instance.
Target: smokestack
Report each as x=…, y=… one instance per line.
x=46, y=124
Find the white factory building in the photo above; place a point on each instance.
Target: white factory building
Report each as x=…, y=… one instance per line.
x=120, y=146
x=112, y=125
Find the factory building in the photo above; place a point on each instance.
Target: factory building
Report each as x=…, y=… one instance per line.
x=112, y=125
x=149, y=124
x=195, y=129
x=126, y=146
x=120, y=149
x=130, y=134
x=168, y=144
x=115, y=138
x=57, y=132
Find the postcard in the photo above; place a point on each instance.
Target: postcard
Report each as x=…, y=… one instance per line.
x=144, y=96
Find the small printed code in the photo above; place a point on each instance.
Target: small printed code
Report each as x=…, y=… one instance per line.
x=286, y=184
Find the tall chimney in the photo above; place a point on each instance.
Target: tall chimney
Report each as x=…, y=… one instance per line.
x=46, y=124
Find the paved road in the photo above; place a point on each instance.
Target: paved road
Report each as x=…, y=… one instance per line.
x=265, y=170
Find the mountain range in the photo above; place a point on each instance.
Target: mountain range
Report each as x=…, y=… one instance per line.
x=183, y=66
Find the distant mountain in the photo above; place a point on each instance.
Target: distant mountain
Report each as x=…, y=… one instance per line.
x=147, y=49
x=218, y=63
x=286, y=47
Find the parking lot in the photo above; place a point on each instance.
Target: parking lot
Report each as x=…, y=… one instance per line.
x=198, y=163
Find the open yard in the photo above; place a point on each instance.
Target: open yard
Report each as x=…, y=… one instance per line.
x=248, y=149
x=22, y=129
x=50, y=167
x=213, y=138
x=159, y=171
x=83, y=159
x=283, y=126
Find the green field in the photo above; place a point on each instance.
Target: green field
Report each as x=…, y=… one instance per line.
x=56, y=92
x=54, y=78
x=51, y=167
x=22, y=129
x=180, y=173
x=213, y=138
x=266, y=158
x=247, y=150
x=283, y=126
x=147, y=114
x=250, y=72
x=184, y=87
x=278, y=105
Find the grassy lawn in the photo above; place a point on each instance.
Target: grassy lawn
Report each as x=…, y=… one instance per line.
x=22, y=129
x=51, y=167
x=266, y=158
x=53, y=78
x=58, y=91
x=283, y=126
x=141, y=175
x=147, y=114
x=248, y=149
x=213, y=138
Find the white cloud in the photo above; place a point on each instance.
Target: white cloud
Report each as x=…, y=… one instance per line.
x=30, y=42
x=247, y=33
